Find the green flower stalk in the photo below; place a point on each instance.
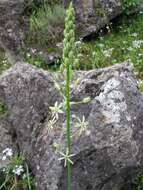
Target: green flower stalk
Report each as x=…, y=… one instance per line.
x=69, y=38
x=68, y=60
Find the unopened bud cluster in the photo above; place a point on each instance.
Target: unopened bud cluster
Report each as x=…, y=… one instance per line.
x=69, y=37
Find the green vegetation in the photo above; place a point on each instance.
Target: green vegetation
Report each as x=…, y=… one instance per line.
x=15, y=175
x=3, y=109
x=129, y=5
x=122, y=42
x=3, y=62
x=138, y=183
x=46, y=25
x=37, y=4
x=140, y=85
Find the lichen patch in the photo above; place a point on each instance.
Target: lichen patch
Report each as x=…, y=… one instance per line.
x=112, y=101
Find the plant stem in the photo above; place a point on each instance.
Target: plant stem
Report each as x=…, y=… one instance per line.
x=68, y=60
x=28, y=178
x=68, y=119
x=5, y=182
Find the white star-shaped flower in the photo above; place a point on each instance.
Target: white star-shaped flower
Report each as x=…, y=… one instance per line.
x=82, y=125
x=66, y=157
x=56, y=110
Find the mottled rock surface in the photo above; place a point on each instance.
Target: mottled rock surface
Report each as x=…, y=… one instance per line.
x=108, y=154
x=12, y=26
x=92, y=15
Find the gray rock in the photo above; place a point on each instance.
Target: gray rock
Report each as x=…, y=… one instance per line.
x=10, y=31
x=51, y=58
x=108, y=154
x=94, y=15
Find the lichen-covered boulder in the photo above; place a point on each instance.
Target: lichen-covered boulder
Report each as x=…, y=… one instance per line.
x=108, y=153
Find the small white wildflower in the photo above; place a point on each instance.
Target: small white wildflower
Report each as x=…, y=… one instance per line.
x=82, y=125
x=4, y=169
x=18, y=170
x=140, y=54
x=78, y=43
x=66, y=157
x=73, y=116
x=94, y=54
x=38, y=167
x=87, y=132
x=124, y=42
x=108, y=52
x=134, y=34
x=28, y=55
x=80, y=55
x=40, y=53
x=107, y=27
x=101, y=45
x=4, y=61
x=140, y=82
x=33, y=50
x=7, y=153
x=110, y=10
x=128, y=118
x=57, y=86
x=56, y=109
x=4, y=158
x=59, y=45
x=51, y=123
x=51, y=57
x=130, y=49
x=137, y=43
x=56, y=146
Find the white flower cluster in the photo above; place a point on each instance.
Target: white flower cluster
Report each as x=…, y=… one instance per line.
x=56, y=110
x=140, y=82
x=101, y=45
x=78, y=43
x=81, y=125
x=134, y=34
x=108, y=52
x=7, y=153
x=137, y=43
x=33, y=50
x=5, y=61
x=130, y=49
x=18, y=170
